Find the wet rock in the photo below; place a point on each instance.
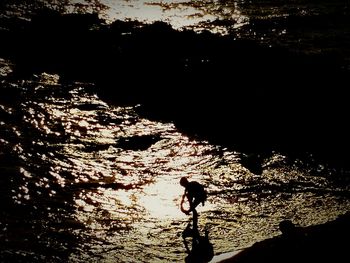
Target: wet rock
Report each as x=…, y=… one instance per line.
x=94, y=185
x=253, y=162
x=138, y=143
x=320, y=243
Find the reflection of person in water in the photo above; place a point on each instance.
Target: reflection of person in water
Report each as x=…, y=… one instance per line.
x=202, y=250
x=195, y=194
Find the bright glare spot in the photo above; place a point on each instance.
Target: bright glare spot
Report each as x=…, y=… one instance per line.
x=179, y=14
x=162, y=199
x=124, y=197
x=25, y=173
x=107, y=133
x=83, y=123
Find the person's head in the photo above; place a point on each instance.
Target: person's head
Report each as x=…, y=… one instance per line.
x=287, y=227
x=184, y=181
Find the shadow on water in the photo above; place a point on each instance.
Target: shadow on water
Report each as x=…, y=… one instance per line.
x=201, y=250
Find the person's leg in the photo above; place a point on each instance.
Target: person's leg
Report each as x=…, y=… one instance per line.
x=194, y=204
x=188, y=232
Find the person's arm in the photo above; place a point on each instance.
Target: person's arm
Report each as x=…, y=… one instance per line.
x=182, y=203
x=187, y=196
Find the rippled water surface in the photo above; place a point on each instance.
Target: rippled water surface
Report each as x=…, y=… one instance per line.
x=306, y=26
x=93, y=182
x=83, y=180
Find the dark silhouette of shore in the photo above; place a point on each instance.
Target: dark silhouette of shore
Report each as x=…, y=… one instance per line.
x=236, y=93
x=232, y=92
x=320, y=243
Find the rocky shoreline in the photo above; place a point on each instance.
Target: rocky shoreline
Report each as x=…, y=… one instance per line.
x=320, y=243
x=233, y=92
x=236, y=93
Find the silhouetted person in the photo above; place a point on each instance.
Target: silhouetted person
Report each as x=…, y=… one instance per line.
x=202, y=250
x=195, y=194
x=291, y=233
x=287, y=228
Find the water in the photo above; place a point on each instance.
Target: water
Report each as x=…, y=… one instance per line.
x=84, y=180
x=75, y=182
x=302, y=26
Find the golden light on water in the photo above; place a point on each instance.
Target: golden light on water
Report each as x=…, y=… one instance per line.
x=179, y=14
x=117, y=178
x=161, y=200
x=150, y=11
x=151, y=176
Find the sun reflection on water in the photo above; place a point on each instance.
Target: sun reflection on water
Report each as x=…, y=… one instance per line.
x=161, y=199
x=120, y=175
x=197, y=15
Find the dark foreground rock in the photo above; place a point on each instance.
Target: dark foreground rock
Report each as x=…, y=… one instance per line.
x=328, y=242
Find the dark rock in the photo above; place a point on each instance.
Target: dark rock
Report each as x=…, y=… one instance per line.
x=136, y=143
x=320, y=243
x=238, y=93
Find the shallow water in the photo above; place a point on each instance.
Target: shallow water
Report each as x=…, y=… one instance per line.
x=92, y=182
x=85, y=180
